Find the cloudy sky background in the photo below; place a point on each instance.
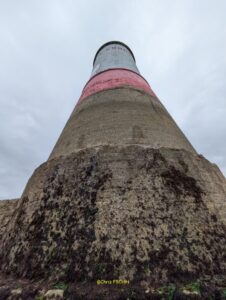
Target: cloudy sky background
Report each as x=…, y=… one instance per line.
x=46, y=53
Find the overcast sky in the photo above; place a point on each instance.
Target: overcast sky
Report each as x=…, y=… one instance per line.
x=46, y=53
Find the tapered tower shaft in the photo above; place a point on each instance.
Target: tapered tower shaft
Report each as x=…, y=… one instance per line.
x=118, y=107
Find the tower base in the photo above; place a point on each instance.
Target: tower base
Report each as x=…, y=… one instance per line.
x=129, y=212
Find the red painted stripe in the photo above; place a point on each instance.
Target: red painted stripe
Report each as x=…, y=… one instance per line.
x=114, y=78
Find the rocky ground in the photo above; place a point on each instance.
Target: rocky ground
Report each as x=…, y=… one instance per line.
x=204, y=288
x=153, y=217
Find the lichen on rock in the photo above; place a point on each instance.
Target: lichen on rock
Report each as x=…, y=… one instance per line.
x=128, y=212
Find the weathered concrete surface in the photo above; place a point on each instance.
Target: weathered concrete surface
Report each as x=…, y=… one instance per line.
x=7, y=208
x=120, y=116
x=128, y=212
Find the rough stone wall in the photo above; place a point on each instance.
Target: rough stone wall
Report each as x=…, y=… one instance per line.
x=7, y=208
x=128, y=212
x=120, y=116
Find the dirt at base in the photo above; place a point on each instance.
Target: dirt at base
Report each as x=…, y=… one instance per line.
x=202, y=288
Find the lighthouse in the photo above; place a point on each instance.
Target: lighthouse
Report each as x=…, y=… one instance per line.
x=118, y=107
x=123, y=196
